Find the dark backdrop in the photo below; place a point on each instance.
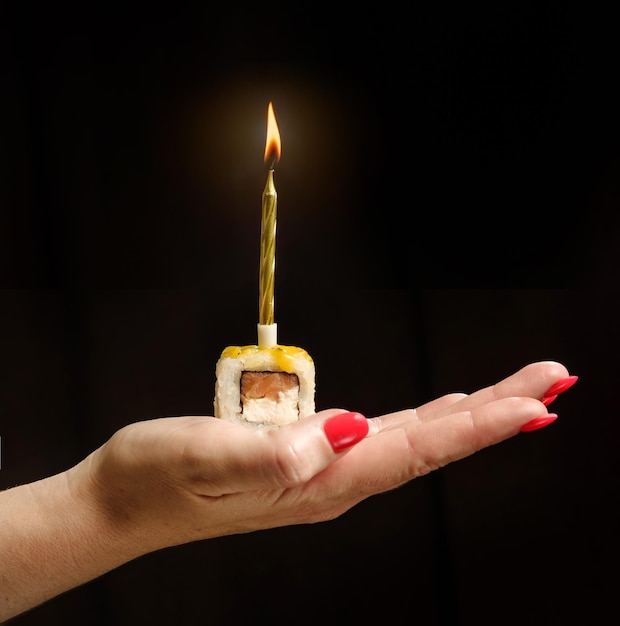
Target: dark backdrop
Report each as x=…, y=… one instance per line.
x=448, y=197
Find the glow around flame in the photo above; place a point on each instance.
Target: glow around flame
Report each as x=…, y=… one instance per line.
x=273, y=146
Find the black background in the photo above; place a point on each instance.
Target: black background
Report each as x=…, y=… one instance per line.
x=448, y=212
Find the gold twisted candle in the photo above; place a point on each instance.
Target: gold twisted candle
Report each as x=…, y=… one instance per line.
x=268, y=252
x=268, y=224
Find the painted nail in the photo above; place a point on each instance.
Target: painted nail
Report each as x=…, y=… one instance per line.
x=345, y=430
x=561, y=385
x=539, y=422
x=547, y=400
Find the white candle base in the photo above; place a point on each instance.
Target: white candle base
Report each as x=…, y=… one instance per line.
x=267, y=335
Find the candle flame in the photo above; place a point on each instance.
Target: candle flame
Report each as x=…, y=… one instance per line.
x=273, y=146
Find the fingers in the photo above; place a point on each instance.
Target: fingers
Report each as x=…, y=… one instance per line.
x=220, y=457
x=397, y=455
x=425, y=411
x=458, y=435
x=532, y=381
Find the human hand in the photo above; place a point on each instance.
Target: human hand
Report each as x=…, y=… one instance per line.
x=173, y=480
x=168, y=481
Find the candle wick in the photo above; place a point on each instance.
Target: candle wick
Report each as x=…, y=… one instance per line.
x=271, y=162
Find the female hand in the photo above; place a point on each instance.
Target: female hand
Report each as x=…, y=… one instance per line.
x=174, y=480
x=168, y=481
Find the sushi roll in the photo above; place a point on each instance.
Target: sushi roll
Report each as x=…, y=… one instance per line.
x=264, y=387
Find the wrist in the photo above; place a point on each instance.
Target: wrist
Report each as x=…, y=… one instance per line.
x=54, y=537
x=107, y=532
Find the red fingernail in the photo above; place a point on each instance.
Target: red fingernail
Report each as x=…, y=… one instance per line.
x=547, y=400
x=561, y=385
x=539, y=422
x=345, y=430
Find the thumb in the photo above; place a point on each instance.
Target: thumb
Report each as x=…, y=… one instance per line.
x=344, y=429
x=305, y=448
x=231, y=458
